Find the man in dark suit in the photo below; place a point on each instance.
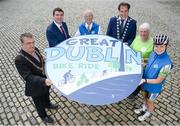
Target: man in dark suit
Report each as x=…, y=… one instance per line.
x=122, y=27
x=57, y=31
x=30, y=65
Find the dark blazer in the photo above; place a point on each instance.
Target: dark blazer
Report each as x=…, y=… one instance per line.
x=28, y=68
x=129, y=31
x=54, y=35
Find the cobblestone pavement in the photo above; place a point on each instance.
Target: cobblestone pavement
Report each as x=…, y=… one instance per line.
x=18, y=16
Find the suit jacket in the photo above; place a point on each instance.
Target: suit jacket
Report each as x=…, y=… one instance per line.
x=32, y=71
x=129, y=30
x=54, y=35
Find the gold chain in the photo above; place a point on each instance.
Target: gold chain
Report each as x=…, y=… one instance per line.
x=41, y=59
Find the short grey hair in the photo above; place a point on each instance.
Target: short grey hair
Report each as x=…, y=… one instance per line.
x=27, y=35
x=88, y=11
x=145, y=26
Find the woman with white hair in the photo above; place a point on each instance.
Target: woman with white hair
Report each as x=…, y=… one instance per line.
x=88, y=27
x=142, y=43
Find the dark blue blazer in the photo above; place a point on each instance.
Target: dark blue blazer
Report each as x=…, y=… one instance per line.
x=129, y=31
x=54, y=35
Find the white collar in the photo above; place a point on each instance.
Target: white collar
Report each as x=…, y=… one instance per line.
x=90, y=26
x=58, y=25
x=121, y=18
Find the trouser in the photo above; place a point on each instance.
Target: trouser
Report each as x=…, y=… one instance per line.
x=41, y=102
x=136, y=91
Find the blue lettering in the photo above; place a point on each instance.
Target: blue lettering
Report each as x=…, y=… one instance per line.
x=136, y=56
x=109, y=57
x=69, y=54
x=71, y=41
x=113, y=42
x=84, y=41
x=104, y=42
x=94, y=54
x=54, y=53
x=94, y=41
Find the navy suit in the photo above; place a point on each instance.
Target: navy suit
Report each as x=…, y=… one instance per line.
x=128, y=33
x=54, y=35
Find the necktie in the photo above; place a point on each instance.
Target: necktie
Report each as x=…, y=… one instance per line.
x=63, y=31
x=121, y=26
x=88, y=28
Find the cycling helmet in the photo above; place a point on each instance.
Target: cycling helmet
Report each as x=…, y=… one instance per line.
x=160, y=39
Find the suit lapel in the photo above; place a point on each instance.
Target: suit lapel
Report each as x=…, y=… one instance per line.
x=33, y=59
x=56, y=30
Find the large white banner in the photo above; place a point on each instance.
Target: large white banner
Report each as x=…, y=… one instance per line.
x=94, y=69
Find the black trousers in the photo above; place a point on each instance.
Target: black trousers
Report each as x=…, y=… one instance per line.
x=41, y=102
x=136, y=91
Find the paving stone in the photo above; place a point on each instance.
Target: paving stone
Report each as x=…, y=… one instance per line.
x=70, y=122
x=116, y=117
x=109, y=111
x=130, y=112
x=159, y=112
x=66, y=110
x=23, y=104
x=35, y=114
x=5, y=104
x=123, y=117
x=168, y=118
x=1, y=110
x=27, y=123
x=103, y=112
x=32, y=120
x=92, y=122
x=103, y=118
x=3, y=115
x=97, y=113
x=169, y=123
x=176, y=123
x=109, y=123
x=24, y=117
x=16, y=116
x=9, y=115
x=71, y=116
x=86, y=115
x=93, y=116
x=57, y=116
x=174, y=117
x=29, y=114
x=38, y=119
x=73, y=110
x=3, y=99
x=99, y=122
x=65, y=116
x=115, y=111
x=5, y=121
x=12, y=121
x=130, y=117
x=84, y=121
x=7, y=110
x=62, y=122
x=109, y=118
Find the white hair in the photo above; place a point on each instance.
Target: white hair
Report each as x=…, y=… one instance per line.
x=86, y=12
x=145, y=26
